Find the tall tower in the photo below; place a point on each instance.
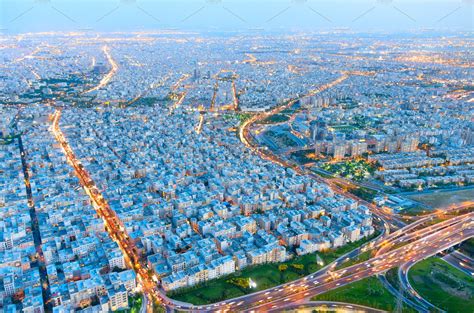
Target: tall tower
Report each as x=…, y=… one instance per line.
x=196, y=72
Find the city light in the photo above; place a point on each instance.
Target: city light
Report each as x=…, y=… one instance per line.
x=248, y=171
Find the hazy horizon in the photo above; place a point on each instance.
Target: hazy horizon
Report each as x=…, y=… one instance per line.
x=220, y=15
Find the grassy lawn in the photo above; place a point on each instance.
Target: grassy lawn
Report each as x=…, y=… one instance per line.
x=467, y=247
x=368, y=291
x=265, y=275
x=417, y=210
x=443, y=285
x=443, y=198
x=392, y=277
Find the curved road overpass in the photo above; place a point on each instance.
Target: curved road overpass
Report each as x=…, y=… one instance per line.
x=339, y=306
x=403, y=278
x=301, y=290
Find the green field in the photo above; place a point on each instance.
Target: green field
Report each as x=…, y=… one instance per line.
x=439, y=199
x=342, y=128
x=368, y=291
x=266, y=276
x=392, y=277
x=416, y=210
x=467, y=247
x=443, y=285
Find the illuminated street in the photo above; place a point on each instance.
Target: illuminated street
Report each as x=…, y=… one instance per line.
x=105, y=80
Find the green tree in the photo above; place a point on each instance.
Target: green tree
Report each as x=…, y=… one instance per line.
x=282, y=268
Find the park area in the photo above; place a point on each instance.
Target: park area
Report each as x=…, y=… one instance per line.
x=443, y=285
x=356, y=170
x=264, y=276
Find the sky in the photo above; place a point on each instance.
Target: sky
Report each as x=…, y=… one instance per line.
x=21, y=16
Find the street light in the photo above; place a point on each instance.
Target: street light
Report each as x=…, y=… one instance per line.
x=252, y=284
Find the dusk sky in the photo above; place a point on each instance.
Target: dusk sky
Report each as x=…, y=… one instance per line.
x=18, y=16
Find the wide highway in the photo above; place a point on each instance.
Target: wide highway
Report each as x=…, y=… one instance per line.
x=113, y=69
x=112, y=222
x=299, y=291
x=403, y=278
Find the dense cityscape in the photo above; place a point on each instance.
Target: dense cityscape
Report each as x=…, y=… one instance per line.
x=165, y=171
